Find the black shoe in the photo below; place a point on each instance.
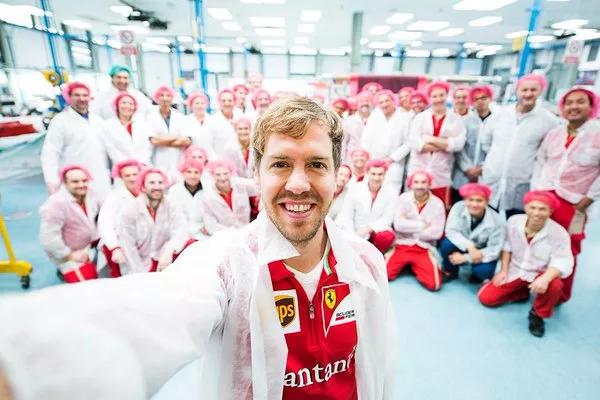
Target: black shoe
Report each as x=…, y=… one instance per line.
x=448, y=277
x=475, y=279
x=60, y=276
x=536, y=324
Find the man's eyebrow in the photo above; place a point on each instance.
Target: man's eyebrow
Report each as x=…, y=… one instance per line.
x=284, y=157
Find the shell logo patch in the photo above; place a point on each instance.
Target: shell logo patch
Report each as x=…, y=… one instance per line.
x=286, y=309
x=330, y=298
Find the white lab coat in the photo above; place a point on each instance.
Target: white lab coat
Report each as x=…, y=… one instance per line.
x=102, y=103
x=423, y=229
x=359, y=215
x=143, y=239
x=353, y=130
x=218, y=215
x=511, y=150
x=72, y=139
x=488, y=236
x=121, y=146
x=388, y=138
x=550, y=247
x=65, y=228
x=573, y=172
x=201, y=134
x=109, y=219
x=440, y=163
x=215, y=301
x=167, y=159
x=191, y=207
x=222, y=131
x=472, y=155
x=338, y=202
x=233, y=154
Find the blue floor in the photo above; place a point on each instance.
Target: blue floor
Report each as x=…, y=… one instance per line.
x=451, y=347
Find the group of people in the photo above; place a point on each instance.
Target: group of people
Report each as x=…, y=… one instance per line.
x=424, y=181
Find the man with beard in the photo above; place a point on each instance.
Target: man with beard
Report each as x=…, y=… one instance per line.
x=418, y=103
x=536, y=255
x=245, y=300
x=359, y=159
x=152, y=230
x=76, y=137
x=340, y=106
x=419, y=223
x=569, y=161
x=512, y=144
x=120, y=78
x=68, y=230
x=354, y=126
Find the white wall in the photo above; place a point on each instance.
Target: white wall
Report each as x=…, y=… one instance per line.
x=413, y=65
x=442, y=66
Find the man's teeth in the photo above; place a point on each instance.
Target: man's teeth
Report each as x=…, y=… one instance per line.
x=297, y=207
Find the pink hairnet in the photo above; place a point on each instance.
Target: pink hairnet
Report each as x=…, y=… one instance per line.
x=544, y=196
x=352, y=103
x=411, y=177
x=408, y=89
x=72, y=167
x=376, y=163
x=341, y=101
x=482, y=89
x=419, y=95
x=240, y=86
x=258, y=93
x=242, y=120
x=363, y=151
x=161, y=90
x=369, y=84
x=594, y=100
x=386, y=92
x=539, y=79
x=140, y=180
x=118, y=167
x=364, y=96
x=222, y=92
x=67, y=89
x=437, y=85
x=475, y=189
x=193, y=96
x=211, y=166
x=122, y=96
x=459, y=88
x=347, y=167
x=187, y=164
x=187, y=154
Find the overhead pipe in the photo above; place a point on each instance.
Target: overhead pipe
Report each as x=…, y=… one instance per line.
x=536, y=9
x=45, y=5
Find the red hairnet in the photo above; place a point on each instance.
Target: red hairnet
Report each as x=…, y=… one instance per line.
x=594, y=101
x=459, y=88
x=122, y=96
x=341, y=101
x=187, y=164
x=72, y=167
x=411, y=177
x=482, y=89
x=161, y=90
x=408, y=89
x=418, y=95
x=240, y=86
x=386, y=92
x=211, y=166
x=140, y=180
x=118, y=167
x=376, y=163
x=475, y=189
x=540, y=80
x=437, y=85
x=67, y=89
x=544, y=196
x=192, y=97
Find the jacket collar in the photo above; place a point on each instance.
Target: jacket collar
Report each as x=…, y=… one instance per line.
x=540, y=235
x=485, y=222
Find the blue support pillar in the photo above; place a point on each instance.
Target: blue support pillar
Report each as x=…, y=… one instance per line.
x=179, y=68
x=399, y=56
x=45, y=5
x=108, y=51
x=536, y=9
x=199, y=15
x=459, y=60
x=428, y=64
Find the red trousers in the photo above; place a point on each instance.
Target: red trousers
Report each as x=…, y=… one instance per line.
x=382, y=240
x=444, y=194
x=564, y=216
x=115, y=270
x=423, y=265
x=518, y=290
x=85, y=272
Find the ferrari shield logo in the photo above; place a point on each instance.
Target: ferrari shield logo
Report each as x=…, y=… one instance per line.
x=286, y=309
x=330, y=298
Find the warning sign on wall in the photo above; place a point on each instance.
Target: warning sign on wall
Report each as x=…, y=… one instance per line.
x=573, y=51
x=128, y=45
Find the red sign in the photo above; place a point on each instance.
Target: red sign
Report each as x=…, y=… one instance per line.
x=573, y=51
x=129, y=50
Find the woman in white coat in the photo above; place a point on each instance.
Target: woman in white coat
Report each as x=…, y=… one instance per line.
x=127, y=136
x=75, y=136
x=196, y=124
x=239, y=152
x=167, y=133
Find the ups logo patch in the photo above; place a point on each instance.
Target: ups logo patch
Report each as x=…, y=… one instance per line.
x=286, y=309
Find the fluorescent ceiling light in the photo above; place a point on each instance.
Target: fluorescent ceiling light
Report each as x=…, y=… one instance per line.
x=134, y=28
x=347, y=49
x=306, y=28
x=184, y=39
x=381, y=45
x=302, y=51
x=517, y=34
x=570, y=24
x=404, y=36
x=587, y=34
x=123, y=10
x=301, y=40
x=273, y=42
x=333, y=52
x=213, y=49
x=481, y=5
x=493, y=47
x=416, y=43
x=378, y=53
x=220, y=14
x=155, y=47
x=114, y=43
x=99, y=40
x=469, y=45
x=241, y=40
x=379, y=30
x=262, y=1
x=15, y=16
x=158, y=40
x=485, y=21
x=31, y=10
x=232, y=26
x=364, y=41
x=80, y=50
x=277, y=32
x=540, y=38
x=75, y=23
x=451, y=32
x=417, y=53
x=443, y=52
x=428, y=26
x=274, y=50
x=399, y=18
x=268, y=22
x=310, y=15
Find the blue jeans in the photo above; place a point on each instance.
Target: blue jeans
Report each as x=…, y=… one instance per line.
x=484, y=270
